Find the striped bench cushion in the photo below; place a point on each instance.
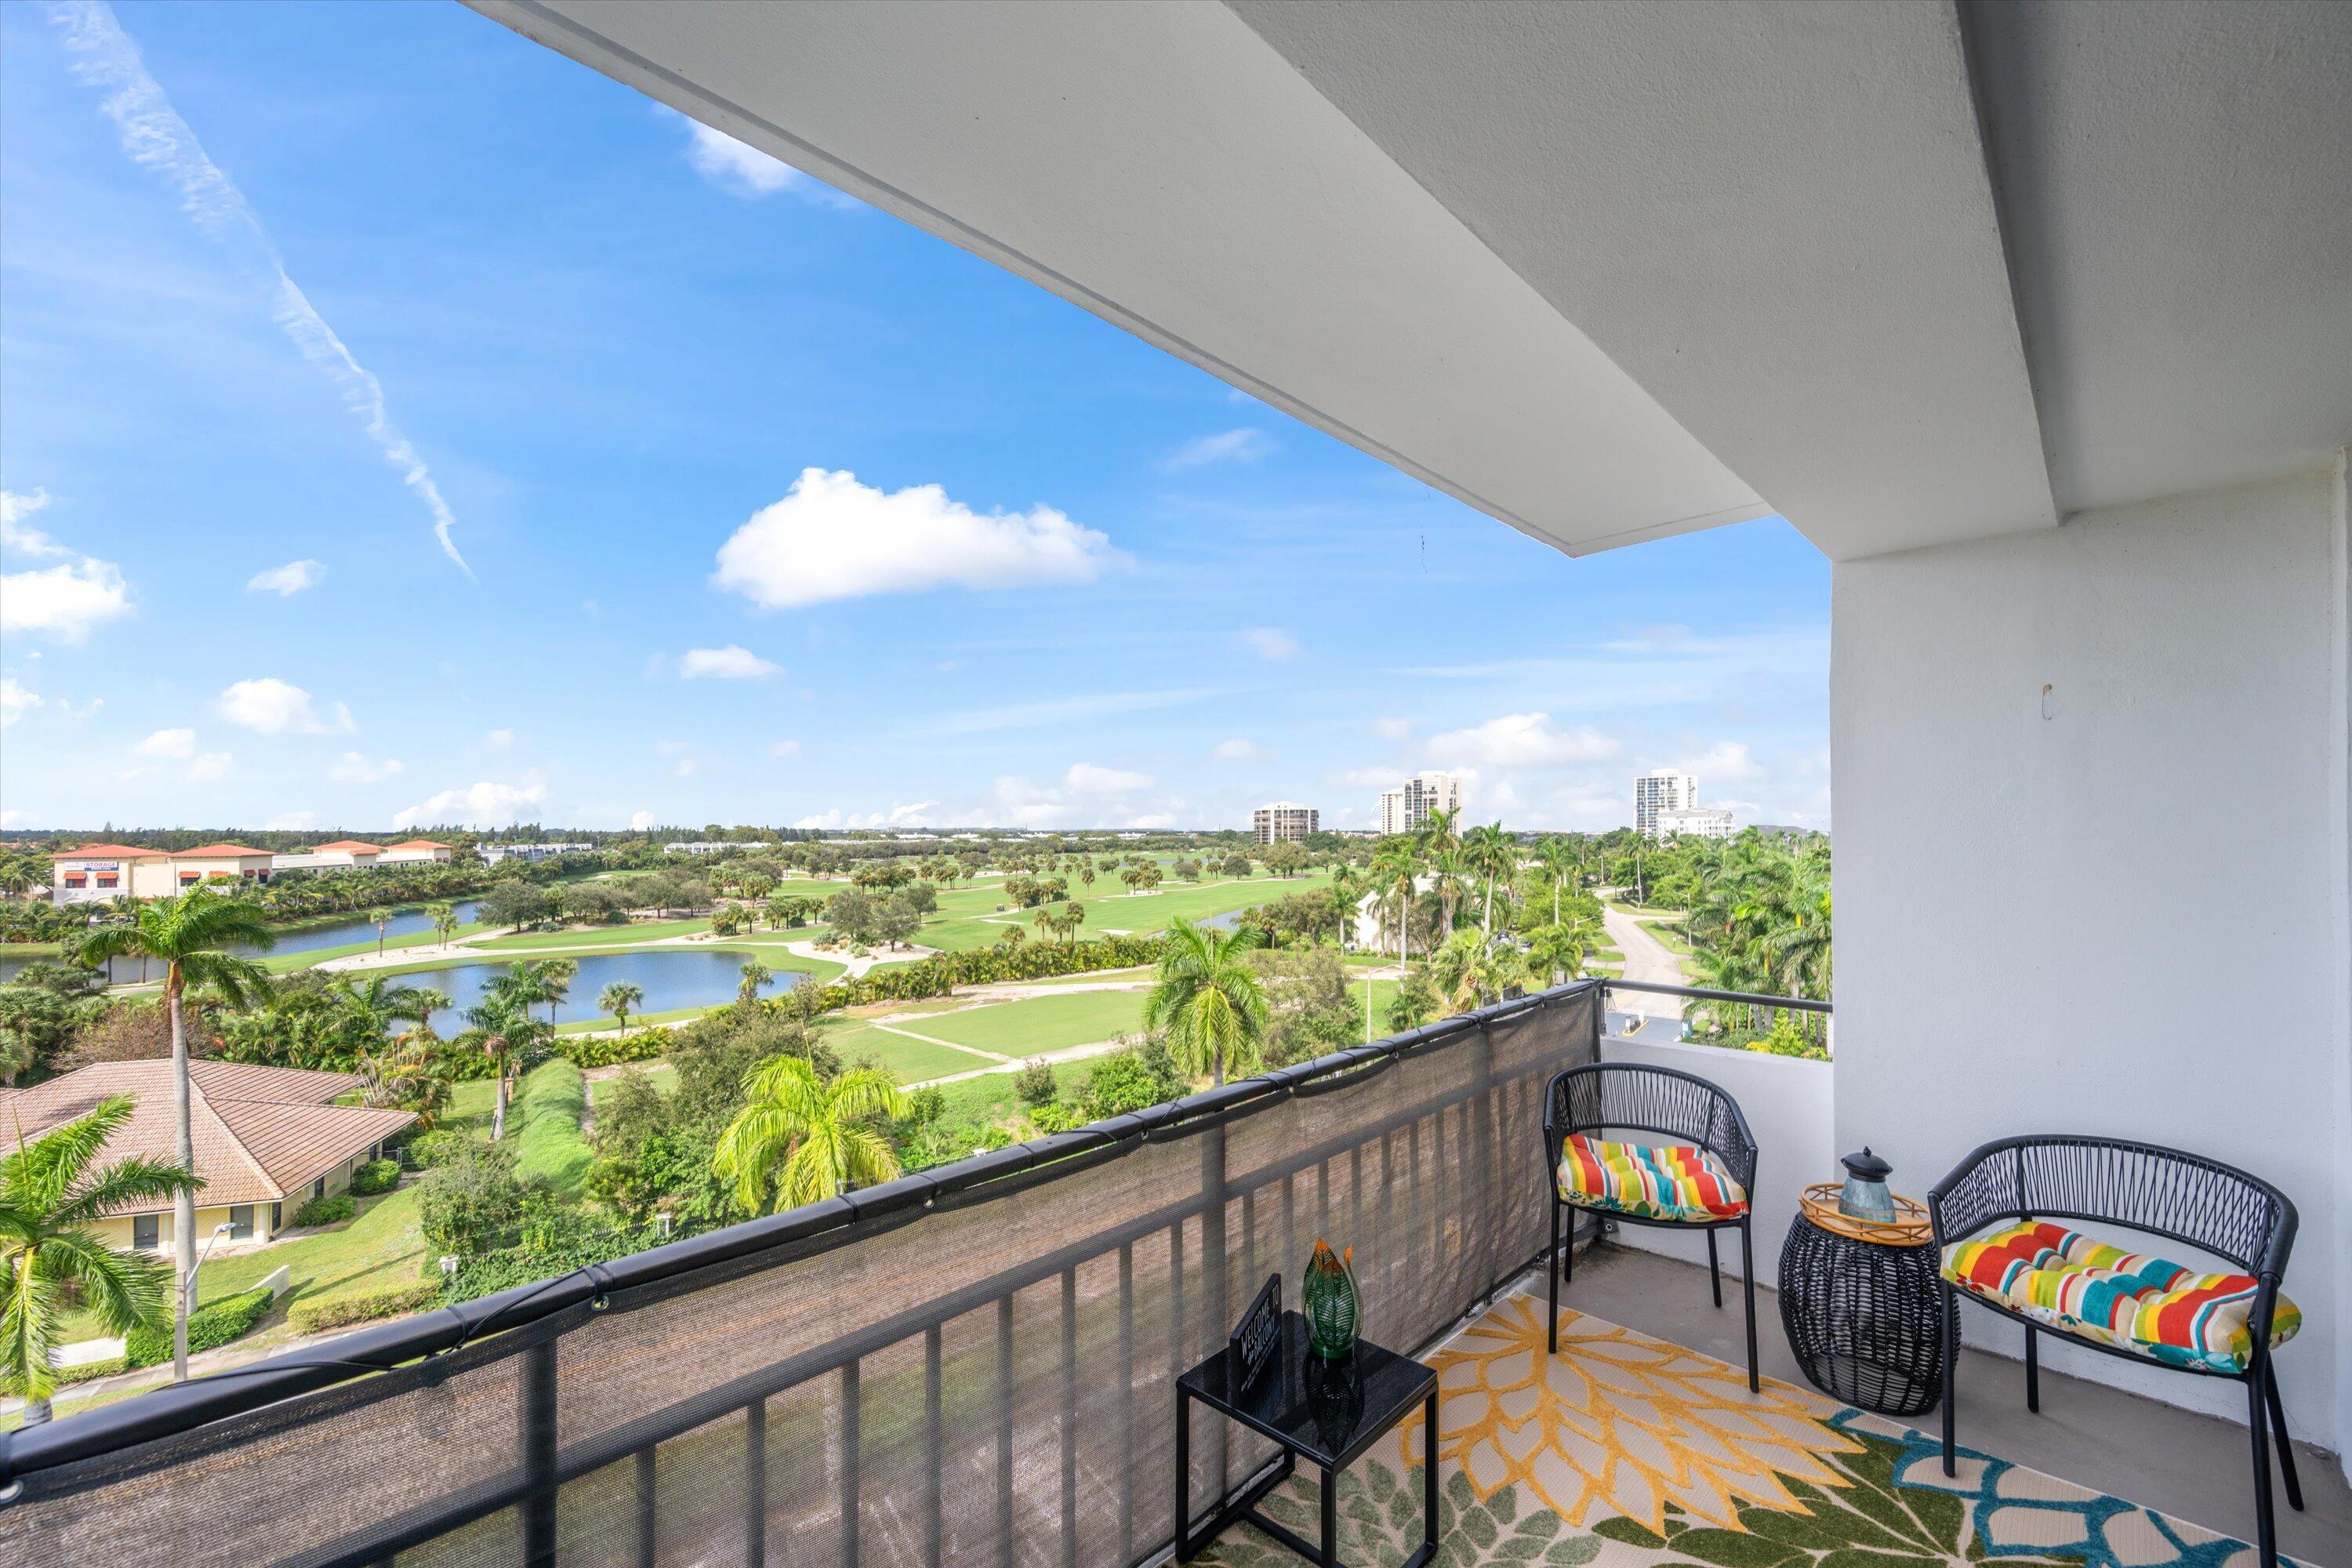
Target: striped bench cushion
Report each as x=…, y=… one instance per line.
x=2080, y=1285
x=1655, y=1181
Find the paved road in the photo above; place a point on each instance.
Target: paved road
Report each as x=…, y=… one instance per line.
x=1648, y=961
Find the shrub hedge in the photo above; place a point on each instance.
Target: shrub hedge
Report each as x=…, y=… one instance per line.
x=210, y=1326
x=107, y=1368
x=361, y=1306
x=549, y=1148
x=376, y=1176
x=333, y=1209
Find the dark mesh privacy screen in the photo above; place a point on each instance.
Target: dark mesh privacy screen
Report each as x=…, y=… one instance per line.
x=986, y=1378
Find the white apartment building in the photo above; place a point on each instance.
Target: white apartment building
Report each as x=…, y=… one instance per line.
x=1406, y=807
x=530, y=853
x=1661, y=790
x=1697, y=822
x=1285, y=822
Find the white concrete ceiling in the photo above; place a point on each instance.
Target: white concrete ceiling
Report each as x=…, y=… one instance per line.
x=1609, y=271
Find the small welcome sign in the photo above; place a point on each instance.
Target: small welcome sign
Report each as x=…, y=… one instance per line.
x=1257, y=1336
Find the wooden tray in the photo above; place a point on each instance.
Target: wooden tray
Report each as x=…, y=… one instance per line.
x=1911, y=1226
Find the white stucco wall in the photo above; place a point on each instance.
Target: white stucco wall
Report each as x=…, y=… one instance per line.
x=1788, y=1104
x=2118, y=910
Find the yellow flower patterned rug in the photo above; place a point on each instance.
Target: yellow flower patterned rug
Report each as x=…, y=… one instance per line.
x=1623, y=1451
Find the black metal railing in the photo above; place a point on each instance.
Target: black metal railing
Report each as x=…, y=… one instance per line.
x=974, y=1364
x=1737, y=1014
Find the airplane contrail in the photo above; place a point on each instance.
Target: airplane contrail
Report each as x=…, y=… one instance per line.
x=154, y=136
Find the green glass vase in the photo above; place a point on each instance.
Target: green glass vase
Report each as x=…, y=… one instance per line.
x=1329, y=1299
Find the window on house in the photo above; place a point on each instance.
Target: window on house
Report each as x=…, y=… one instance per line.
x=147, y=1231
x=240, y=1221
x=318, y=1188
x=277, y=1218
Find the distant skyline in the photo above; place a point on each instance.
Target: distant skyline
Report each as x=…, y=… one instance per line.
x=401, y=424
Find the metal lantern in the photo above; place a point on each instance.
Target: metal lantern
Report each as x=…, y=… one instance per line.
x=1865, y=1196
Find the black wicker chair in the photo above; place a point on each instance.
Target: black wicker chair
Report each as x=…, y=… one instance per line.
x=1624, y=1097
x=2143, y=1187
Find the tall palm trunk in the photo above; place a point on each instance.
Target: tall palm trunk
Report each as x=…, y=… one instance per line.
x=1487, y=920
x=183, y=1202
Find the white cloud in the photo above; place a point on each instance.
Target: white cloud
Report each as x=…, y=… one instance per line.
x=1726, y=762
x=1271, y=642
x=293, y=821
x=1524, y=740
x=1366, y=778
x=499, y=740
x=15, y=700
x=1392, y=729
x=14, y=535
x=735, y=166
x=728, y=663
x=1236, y=749
x=823, y=821
x=640, y=820
x=783, y=748
x=833, y=537
x=65, y=600
x=167, y=743
x=686, y=767
x=1086, y=778
x=273, y=707
x=1152, y=820
x=287, y=580
x=87, y=710
x=15, y=818
x=485, y=804
x=1246, y=445
x=154, y=136
x=205, y=769
x=357, y=767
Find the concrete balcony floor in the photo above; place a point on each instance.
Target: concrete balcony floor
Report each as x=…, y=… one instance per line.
x=2193, y=1466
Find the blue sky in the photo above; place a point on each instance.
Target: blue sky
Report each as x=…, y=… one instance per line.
x=1072, y=582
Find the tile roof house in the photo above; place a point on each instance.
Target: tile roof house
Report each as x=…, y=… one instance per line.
x=266, y=1138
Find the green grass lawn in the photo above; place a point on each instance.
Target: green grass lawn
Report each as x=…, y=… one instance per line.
x=1095, y=977
x=664, y=1076
x=908, y=1061
x=992, y=1098
x=596, y=936
x=1038, y=1024
x=668, y=1015
x=288, y=962
x=968, y=919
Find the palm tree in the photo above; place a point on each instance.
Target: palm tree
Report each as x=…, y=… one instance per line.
x=379, y=918
x=1208, y=999
x=555, y=981
x=755, y=975
x=1557, y=859
x=444, y=921
x=619, y=999
x=1346, y=891
x=799, y=1140
x=1489, y=853
x=186, y=935
x=1470, y=973
x=384, y=1003
x=1558, y=949
x=51, y=1192
x=1395, y=869
x=1074, y=915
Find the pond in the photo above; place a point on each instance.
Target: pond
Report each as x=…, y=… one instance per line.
x=343, y=933
x=670, y=979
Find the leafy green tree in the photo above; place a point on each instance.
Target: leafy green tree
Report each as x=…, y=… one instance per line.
x=53, y=1192
x=1491, y=856
x=186, y=935
x=1557, y=949
x=800, y=1139
x=1208, y=1001
x=1311, y=1011
x=754, y=974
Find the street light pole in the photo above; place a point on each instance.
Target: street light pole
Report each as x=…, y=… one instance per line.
x=180, y=1365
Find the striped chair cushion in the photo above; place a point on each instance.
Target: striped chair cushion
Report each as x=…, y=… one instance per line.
x=2080, y=1285
x=1660, y=1181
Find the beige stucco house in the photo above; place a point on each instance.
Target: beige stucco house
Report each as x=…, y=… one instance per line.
x=266, y=1139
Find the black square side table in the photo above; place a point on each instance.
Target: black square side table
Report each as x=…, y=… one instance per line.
x=1325, y=1413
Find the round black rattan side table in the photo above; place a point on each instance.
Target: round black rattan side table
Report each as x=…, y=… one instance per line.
x=1860, y=1303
